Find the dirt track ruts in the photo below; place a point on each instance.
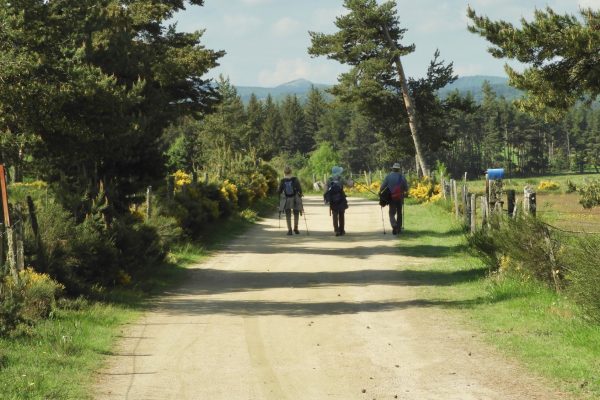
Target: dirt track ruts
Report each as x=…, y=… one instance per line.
x=308, y=317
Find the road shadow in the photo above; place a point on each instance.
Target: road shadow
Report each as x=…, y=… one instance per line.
x=215, y=281
x=195, y=307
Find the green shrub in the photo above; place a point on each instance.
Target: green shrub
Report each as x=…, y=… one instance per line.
x=76, y=255
x=526, y=240
x=571, y=187
x=590, y=194
x=581, y=257
x=11, y=305
x=139, y=248
x=39, y=293
x=194, y=209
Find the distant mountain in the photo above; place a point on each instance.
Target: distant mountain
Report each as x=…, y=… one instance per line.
x=298, y=87
x=473, y=84
x=301, y=87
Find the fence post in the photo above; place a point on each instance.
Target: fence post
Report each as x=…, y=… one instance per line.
x=484, y=211
x=473, y=212
x=148, y=203
x=467, y=208
x=510, y=200
x=529, y=201
x=19, y=236
x=455, y=198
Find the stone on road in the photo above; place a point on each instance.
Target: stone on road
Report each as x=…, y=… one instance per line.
x=307, y=317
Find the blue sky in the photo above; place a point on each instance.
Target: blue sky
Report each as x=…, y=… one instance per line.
x=266, y=40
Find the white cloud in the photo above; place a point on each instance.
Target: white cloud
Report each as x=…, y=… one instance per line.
x=285, y=70
x=285, y=26
x=240, y=24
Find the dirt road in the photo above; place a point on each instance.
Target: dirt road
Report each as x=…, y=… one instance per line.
x=307, y=317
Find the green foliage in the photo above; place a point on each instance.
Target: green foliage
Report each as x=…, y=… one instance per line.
x=323, y=159
x=590, y=194
x=109, y=77
x=562, y=65
x=194, y=207
x=524, y=244
x=582, y=260
x=27, y=300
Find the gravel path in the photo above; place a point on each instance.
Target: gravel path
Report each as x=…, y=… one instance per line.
x=308, y=317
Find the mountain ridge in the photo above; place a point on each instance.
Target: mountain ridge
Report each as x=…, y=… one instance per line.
x=301, y=87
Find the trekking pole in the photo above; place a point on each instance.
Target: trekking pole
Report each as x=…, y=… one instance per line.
x=279, y=220
x=402, y=226
x=382, y=221
x=305, y=223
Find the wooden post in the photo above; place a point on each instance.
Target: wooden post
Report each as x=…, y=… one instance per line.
x=529, y=201
x=484, y=211
x=1, y=244
x=467, y=208
x=510, y=200
x=148, y=203
x=473, y=212
x=455, y=198
x=19, y=236
x=206, y=178
x=4, y=191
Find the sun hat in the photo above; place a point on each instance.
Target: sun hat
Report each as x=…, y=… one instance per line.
x=396, y=166
x=336, y=171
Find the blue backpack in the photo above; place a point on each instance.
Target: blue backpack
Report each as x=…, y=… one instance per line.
x=288, y=187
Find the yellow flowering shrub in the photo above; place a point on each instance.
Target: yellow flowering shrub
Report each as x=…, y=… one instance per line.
x=425, y=191
x=548, y=185
x=229, y=191
x=182, y=178
x=40, y=292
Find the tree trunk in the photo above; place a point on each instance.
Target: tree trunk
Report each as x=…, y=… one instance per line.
x=409, y=104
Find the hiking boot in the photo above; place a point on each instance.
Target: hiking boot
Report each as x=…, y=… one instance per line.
x=394, y=231
x=338, y=234
x=289, y=232
x=296, y=231
x=342, y=233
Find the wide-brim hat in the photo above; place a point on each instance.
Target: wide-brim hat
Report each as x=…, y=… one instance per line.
x=335, y=171
x=396, y=166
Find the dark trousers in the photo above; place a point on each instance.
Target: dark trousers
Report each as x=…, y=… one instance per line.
x=396, y=214
x=338, y=220
x=288, y=218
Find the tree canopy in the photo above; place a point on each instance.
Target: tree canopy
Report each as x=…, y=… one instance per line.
x=562, y=53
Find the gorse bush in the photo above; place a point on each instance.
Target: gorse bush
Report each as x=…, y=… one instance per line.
x=581, y=258
x=548, y=186
x=589, y=194
x=524, y=244
x=26, y=300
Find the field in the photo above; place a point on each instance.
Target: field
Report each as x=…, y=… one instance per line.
x=557, y=207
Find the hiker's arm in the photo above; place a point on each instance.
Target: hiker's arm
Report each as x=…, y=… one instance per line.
x=298, y=187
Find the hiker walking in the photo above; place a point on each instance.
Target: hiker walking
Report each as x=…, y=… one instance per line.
x=290, y=199
x=336, y=198
x=393, y=190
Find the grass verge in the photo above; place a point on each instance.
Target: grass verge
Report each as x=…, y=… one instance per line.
x=522, y=318
x=57, y=358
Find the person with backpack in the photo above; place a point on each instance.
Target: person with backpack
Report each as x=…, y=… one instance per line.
x=394, y=189
x=290, y=199
x=336, y=198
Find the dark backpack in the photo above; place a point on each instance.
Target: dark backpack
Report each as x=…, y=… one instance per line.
x=335, y=193
x=289, y=188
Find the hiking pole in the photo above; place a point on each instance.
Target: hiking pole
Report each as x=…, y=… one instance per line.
x=279, y=220
x=382, y=221
x=402, y=225
x=305, y=223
